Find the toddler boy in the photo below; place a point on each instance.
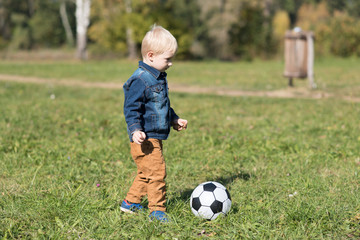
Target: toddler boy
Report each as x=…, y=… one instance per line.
x=149, y=118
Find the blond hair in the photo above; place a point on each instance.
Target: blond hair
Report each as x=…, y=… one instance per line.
x=158, y=40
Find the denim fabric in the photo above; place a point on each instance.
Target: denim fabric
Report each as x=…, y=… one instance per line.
x=147, y=105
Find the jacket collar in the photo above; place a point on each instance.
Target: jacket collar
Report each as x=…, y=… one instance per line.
x=156, y=73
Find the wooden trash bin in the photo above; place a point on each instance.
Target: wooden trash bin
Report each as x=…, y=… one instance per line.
x=299, y=56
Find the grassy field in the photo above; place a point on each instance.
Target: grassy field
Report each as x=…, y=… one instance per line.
x=292, y=166
x=336, y=76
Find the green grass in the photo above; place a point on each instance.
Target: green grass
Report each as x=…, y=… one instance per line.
x=54, y=153
x=338, y=76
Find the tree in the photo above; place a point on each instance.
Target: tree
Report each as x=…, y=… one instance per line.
x=218, y=17
x=131, y=45
x=82, y=22
x=45, y=25
x=14, y=23
x=66, y=24
x=248, y=34
x=4, y=20
x=353, y=7
x=119, y=26
x=183, y=21
x=290, y=6
x=310, y=15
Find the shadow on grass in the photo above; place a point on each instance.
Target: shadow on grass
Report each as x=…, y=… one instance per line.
x=226, y=181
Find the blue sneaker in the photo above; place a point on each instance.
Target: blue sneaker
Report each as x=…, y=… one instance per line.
x=159, y=216
x=130, y=207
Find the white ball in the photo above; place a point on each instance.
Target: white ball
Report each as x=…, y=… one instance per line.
x=209, y=200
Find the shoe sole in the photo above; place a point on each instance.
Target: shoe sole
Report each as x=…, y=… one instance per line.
x=160, y=221
x=126, y=210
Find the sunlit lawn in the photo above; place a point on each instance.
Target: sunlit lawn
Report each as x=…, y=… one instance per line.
x=292, y=166
x=339, y=76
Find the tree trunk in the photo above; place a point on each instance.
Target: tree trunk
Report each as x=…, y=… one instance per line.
x=65, y=22
x=82, y=23
x=5, y=30
x=131, y=45
x=31, y=7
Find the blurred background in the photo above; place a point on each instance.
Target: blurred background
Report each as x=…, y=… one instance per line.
x=205, y=29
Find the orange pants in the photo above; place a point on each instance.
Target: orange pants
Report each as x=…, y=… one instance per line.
x=151, y=174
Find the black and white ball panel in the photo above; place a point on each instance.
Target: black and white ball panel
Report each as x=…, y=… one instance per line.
x=209, y=200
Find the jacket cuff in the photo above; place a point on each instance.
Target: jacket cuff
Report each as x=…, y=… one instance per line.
x=173, y=115
x=135, y=127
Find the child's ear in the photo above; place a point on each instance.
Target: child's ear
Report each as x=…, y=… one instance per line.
x=150, y=55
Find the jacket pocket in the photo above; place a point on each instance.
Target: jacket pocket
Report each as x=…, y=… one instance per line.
x=156, y=93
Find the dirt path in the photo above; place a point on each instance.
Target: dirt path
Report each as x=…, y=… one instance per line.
x=282, y=93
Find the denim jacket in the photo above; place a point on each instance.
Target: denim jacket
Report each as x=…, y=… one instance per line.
x=147, y=105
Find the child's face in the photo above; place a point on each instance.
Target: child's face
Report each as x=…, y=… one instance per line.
x=161, y=61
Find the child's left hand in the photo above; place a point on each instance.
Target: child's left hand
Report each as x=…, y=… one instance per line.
x=180, y=124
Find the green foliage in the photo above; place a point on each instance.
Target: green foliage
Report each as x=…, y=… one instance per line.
x=290, y=6
x=3, y=43
x=352, y=7
x=182, y=18
x=34, y=23
x=281, y=23
x=243, y=34
x=21, y=38
x=337, y=33
x=291, y=165
x=46, y=26
x=111, y=21
x=344, y=35
x=249, y=36
x=233, y=29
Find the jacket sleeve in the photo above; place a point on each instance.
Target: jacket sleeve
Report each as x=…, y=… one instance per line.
x=173, y=115
x=134, y=91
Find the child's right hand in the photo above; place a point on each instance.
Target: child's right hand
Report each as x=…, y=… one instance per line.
x=139, y=137
x=179, y=124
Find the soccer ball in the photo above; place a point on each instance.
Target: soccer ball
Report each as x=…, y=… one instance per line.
x=209, y=200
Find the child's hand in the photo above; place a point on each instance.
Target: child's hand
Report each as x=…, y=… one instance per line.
x=138, y=137
x=180, y=124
